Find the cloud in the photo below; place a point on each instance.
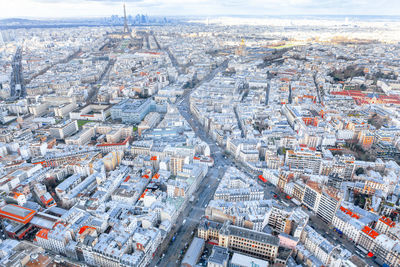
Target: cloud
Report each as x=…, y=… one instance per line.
x=92, y=8
x=80, y=1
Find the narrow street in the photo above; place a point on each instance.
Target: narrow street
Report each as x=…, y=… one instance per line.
x=94, y=89
x=194, y=211
x=17, y=81
x=334, y=237
x=62, y=61
x=172, y=252
x=316, y=88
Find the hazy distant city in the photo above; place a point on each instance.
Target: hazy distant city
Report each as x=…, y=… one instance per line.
x=187, y=139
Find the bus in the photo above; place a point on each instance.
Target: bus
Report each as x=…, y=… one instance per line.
x=285, y=204
x=262, y=178
x=362, y=251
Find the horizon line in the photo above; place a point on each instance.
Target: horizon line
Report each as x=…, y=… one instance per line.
x=203, y=16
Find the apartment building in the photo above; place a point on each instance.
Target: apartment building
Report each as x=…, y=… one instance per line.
x=240, y=239
x=278, y=218
x=303, y=158
x=81, y=138
x=65, y=129
x=131, y=110
x=318, y=245
x=384, y=224
x=328, y=204
x=91, y=112
x=63, y=110
x=235, y=187
x=55, y=239
x=312, y=195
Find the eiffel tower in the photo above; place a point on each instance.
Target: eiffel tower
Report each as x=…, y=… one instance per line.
x=126, y=28
x=127, y=32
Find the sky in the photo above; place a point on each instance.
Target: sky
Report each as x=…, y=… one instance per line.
x=105, y=8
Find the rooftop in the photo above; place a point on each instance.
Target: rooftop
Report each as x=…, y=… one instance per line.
x=17, y=213
x=193, y=252
x=219, y=255
x=243, y=260
x=253, y=235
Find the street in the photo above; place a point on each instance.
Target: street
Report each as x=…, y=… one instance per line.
x=171, y=252
x=17, y=81
x=334, y=237
x=95, y=86
x=174, y=250
x=316, y=88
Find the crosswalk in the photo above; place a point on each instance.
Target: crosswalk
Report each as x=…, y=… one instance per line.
x=192, y=220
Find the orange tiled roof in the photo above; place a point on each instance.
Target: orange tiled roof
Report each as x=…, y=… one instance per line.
x=370, y=232
x=387, y=221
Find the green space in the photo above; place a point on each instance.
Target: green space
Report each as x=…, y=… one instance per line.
x=282, y=46
x=135, y=128
x=282, y=151
x=82, y=122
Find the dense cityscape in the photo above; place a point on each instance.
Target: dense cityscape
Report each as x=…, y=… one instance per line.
x=141, y=141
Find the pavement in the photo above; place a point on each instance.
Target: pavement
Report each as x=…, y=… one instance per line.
x=326, y=230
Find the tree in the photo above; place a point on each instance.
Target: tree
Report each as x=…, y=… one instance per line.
x=360, y=171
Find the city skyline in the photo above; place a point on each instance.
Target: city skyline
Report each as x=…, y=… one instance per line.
x=149, y=133
x=104, y=8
